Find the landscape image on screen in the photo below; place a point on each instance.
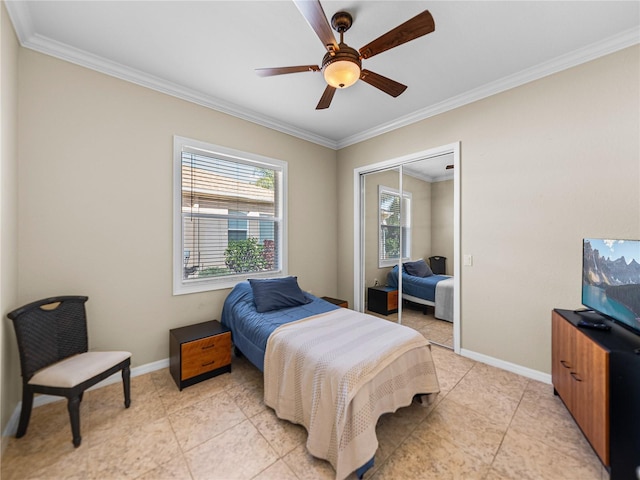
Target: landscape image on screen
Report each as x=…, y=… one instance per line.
x=611, y=279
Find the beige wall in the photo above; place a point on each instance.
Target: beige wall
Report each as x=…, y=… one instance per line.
x=542, y=166
x=442, y=221
x=421, y=216
x=372, y=271
x=95, y=196
x=10, y=371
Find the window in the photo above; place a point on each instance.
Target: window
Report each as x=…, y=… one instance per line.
x=229, y=211
x=237, y=228
x=395, y=226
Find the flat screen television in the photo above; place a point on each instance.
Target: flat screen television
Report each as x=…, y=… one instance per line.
x=611, y=280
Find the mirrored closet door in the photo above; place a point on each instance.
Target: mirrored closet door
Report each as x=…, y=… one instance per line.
x=382, y=242
x=407, y=217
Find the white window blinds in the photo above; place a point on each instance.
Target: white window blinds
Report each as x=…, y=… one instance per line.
x=395, y=226
x=231, y=218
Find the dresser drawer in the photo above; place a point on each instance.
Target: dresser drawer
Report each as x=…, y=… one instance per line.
x=204, y=355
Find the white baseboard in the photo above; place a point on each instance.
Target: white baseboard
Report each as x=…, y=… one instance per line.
x=510, y=367
x=39, y=400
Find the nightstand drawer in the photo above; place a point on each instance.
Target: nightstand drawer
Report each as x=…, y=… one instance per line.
x=204, y=355
x=382, y=300
x=392, y=300
x=198, y=352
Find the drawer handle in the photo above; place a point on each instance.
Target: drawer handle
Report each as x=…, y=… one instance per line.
x=208, y=363
x=565, y=364
x=575, y=376
x=208, y=346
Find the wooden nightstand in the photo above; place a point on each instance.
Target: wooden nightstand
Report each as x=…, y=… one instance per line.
x=337, y=301
x=198, y=352
x=383, y=300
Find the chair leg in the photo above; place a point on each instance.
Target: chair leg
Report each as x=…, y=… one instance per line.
x=73, y=405
x=126, y=383
x=25, y=411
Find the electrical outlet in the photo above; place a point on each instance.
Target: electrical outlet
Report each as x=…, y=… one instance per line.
x=375, y=282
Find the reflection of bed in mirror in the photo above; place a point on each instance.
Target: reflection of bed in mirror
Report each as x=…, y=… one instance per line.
x=433, y=290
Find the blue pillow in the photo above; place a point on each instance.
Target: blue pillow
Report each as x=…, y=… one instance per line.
x=276, y=293
x=419, y=268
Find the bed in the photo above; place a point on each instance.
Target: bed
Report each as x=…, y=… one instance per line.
x=333, y=370
x=432, y=290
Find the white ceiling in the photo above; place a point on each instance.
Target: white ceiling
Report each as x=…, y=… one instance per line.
x=206, y=52
x=432, y=169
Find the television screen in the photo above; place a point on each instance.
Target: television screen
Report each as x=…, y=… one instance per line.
x=611, y=279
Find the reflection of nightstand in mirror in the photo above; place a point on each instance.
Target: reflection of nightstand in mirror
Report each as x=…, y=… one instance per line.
x=337, y=301
x=383, y=300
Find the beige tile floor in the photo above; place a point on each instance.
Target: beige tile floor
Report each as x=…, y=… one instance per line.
x=485, y=424
x=436, y=331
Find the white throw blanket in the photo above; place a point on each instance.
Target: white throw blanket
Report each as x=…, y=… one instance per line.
x=337, y=372
x=444, y=300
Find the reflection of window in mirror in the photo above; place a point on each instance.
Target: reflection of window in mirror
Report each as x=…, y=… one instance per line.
x=394, y=226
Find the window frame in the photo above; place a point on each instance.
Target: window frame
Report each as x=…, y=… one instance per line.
x=185, y=286
x=405, y=227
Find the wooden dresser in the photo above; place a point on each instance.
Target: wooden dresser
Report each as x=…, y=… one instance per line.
x=198, y=352
x=597, y=375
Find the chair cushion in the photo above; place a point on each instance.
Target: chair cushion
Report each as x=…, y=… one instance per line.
x=74, y=370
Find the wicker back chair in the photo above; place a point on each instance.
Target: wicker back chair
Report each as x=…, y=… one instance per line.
x=54, y=356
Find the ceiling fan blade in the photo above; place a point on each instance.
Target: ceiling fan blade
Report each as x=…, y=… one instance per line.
x=314, y=14
x=268, y=72
x=385, y=84
x=326, y=98
x=416, y=27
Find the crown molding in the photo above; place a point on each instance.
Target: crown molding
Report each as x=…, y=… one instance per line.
x=428, y=178
x=613, y=44
x=70, y=54
x=21, y=19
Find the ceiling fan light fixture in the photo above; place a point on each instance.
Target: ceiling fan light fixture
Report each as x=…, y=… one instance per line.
x=341, y=73
x=341, y=69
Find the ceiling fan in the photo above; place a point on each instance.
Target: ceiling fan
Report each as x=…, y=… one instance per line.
x=342, y=65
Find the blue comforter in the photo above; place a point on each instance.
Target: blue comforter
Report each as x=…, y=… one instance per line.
x=421, y=287
x=250, y=329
